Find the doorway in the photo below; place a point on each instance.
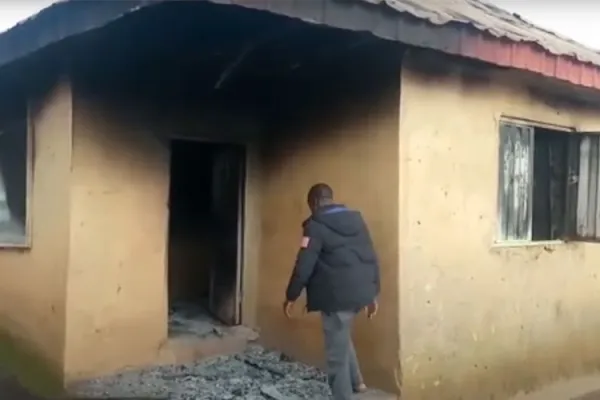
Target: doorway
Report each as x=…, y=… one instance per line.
x=205, y=239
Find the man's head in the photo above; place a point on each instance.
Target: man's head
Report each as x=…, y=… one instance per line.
x=319, y=195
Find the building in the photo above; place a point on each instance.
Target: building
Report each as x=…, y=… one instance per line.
x=141, y=137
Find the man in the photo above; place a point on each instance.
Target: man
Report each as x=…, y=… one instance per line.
x=338, y=267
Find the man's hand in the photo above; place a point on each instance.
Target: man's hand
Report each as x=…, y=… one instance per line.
x=287, y=308
x=372, y=309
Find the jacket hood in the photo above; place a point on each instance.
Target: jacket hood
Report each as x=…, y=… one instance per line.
x=340, y=219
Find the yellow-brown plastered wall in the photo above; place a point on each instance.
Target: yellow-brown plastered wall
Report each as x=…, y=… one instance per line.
x=116, y=308
x=33, y=281
x=348, y=139
x=117, y=304
x=478, y=321
x=117, y=213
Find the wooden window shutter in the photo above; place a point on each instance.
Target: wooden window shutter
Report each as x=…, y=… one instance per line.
x=583, y=200
x=515, y=192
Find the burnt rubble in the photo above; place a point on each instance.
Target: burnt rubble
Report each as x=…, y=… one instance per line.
x=195, y=320
x=252, y=375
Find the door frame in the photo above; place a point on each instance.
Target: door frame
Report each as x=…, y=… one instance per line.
x=241, y=226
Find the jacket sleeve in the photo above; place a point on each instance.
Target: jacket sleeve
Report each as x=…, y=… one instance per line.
x=377, y=281
x=375, y=262
x=305, y=261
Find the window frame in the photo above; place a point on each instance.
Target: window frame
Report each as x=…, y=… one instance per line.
x=531, y=124
x=28, y=243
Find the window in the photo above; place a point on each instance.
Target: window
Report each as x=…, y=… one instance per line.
x=549, y=184
x=14, y=159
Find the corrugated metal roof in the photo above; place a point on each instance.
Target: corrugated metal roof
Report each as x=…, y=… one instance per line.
x=60, y=21
x=469, y=28
x=488, y=18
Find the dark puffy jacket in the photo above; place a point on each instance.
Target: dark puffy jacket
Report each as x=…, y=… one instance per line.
x=336, y=263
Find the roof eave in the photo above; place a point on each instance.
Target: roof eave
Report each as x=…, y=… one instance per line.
x=68, y=19
x=453, y=38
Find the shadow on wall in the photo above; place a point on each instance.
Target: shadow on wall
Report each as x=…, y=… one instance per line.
x=339, y=126
x=19, y=361
x=329, y=103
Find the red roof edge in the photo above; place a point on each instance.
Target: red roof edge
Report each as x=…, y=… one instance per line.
x=528, y=57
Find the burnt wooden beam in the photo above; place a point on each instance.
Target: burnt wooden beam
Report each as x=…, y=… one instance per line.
x=249, y=48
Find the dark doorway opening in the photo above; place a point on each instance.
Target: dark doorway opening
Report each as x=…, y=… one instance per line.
x=205, y=236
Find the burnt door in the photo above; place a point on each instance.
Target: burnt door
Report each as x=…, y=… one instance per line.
x=228, y=207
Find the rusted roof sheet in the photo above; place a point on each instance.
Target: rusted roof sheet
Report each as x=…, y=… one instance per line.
x=490, y=19
x=469, y=28
x=494, y=35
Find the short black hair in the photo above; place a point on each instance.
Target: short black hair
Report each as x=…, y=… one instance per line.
x=320, y=191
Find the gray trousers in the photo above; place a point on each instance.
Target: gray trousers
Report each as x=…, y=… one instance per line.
x=343, y=372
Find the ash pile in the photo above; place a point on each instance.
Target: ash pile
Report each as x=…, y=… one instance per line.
x=194, y=320
x=252, y=375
